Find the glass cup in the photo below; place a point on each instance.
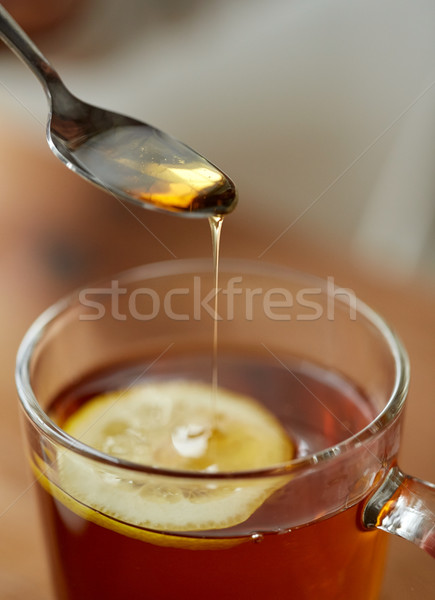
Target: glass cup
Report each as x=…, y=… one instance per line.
x=330, y=370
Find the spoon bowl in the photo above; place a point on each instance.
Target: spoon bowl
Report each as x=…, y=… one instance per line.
x=125, y=157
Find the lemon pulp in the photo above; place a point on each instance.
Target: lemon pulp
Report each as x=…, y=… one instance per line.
x=177, y=425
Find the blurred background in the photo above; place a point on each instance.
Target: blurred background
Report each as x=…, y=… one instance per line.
x=321, y=111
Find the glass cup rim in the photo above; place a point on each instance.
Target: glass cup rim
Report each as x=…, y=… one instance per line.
x=167, y=268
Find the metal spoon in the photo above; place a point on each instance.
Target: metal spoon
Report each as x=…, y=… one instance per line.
x=119, y=154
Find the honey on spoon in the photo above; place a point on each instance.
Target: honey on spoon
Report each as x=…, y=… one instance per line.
x=130, y=159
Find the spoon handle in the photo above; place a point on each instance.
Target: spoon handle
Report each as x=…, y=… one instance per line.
x=19, y=42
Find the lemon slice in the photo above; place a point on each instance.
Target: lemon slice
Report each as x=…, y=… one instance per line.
x=176, y=425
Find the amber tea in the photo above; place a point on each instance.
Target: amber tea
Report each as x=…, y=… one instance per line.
x=246, y=547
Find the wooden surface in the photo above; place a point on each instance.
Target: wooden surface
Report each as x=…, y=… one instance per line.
x=109, y=239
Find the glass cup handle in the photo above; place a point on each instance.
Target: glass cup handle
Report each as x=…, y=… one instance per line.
x=405, y=506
